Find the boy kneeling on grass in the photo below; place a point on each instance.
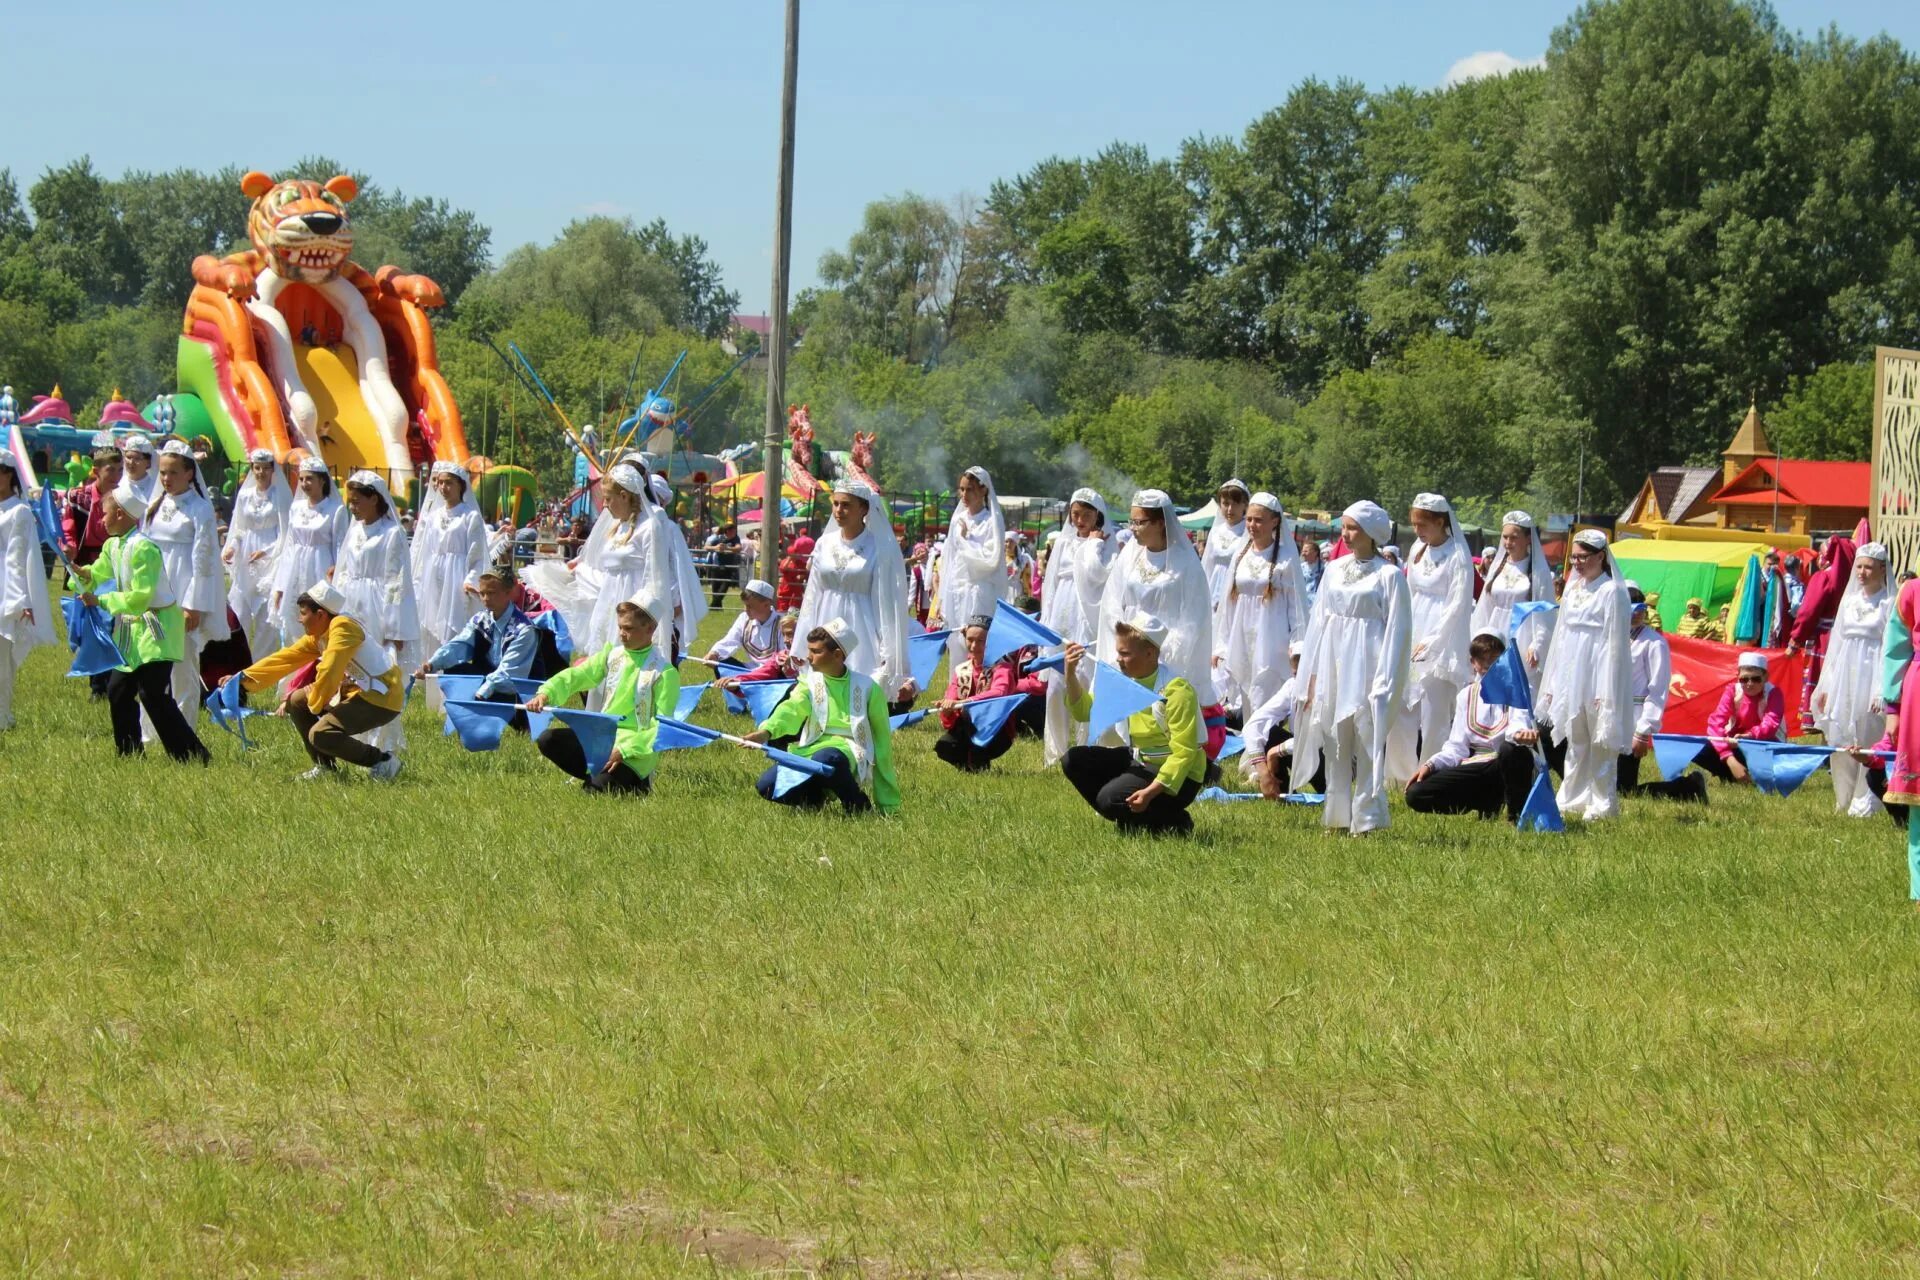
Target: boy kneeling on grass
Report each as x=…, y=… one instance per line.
x=841, y=719
x=357, y=686
x=1147, y=785
x=639, y=686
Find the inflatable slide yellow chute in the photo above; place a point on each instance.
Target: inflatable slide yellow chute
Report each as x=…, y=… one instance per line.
x=349, y=437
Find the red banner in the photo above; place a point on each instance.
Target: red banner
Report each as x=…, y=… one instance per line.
x=1702, y=670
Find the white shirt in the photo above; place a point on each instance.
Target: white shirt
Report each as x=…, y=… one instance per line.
x=1478, y=729
x=1652, y=678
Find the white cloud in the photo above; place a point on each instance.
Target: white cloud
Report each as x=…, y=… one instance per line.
x=1492, y=62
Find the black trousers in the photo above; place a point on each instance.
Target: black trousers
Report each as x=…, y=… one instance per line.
x=955, y=746
x=150, y=686
x=843, y=784
x=1106, y=776
x=1709, y=759
x=1674, y=788
x=1478, y=786
x=562, y=746
x=1030, y=717
x=1280, y=736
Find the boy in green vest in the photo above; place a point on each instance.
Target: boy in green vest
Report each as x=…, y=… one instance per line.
x=640, y=687
x=1146, y=785
x=841, y=719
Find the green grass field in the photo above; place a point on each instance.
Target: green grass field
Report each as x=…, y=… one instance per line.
x=478, y=1023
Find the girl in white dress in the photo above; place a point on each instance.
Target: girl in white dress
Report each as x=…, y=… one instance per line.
x=1847, y=707
x=1264, y=609
x=1077, y=568
x=375, y=570
x=183, y=523
x=973, y=560
x=1353, y=674
x=1224, y=539
x=26, y=616
x=858, y=575
x=449, y=551
x=1519, y=573
x=317, y=527
x=254, y=535
x=689, y=597
x=1159, y=572
x=1440, y=591
x=624, y=553
x=1586, y=688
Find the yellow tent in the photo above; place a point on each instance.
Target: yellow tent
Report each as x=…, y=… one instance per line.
x=1676, y=571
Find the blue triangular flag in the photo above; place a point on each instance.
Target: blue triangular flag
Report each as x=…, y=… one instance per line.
x=479, y=724
x=460, y=688
x=1542, y=809
x=46, y=518
x=228, y=707
x=1778, y=768
x=798, y=763
x=71, y=609
x=690, y=695
x=96, y=654
x=1221, y=794
x=733, y=701
x=1054, y=660
x=1115, y=697
x=989, y=715
x=762, y=696
x=923, y=655
x=1232, y=747
x=1013, y=629
x=1506, y=684
x=907, y=718
x=595, y=731
x=1673, y=752
x=676, y=735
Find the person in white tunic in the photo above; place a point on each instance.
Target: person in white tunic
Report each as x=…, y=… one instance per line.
x=1264, y=609
x=449, y=552
x=1160, y=573
x=317, y=527
x=973, y=560
x=1353, y=675
x=1078, y=564
x=689, y=596
x=1224, y=538
x=375, y=574
x=1518, y=573
x=183, y=524
x=1586, y=690
x=261, y=508
x=1847, y=707
x=624, y=554
x=755, y=634
x=858, y=575
x=1440, y=587
x=26, y=617
x=139, y=477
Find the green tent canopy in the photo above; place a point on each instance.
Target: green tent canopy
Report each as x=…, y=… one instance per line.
x=1677, y=571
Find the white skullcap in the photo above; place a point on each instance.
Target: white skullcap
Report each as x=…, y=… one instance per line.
x=1754, y=660
x=628, y=478
x=455, y=470
x=1431, y=502
x=1592, y=539
x=1267, y=500
x=130, y=502
x=327, y=596
x=178, y=449
x=855, y=489
x=1295, y=649
x=1151, y=499
x=1518, y=518
x=1148, y=627
x=843, y=635
x=259, y=455
x=1013, y=535
x=1372, y=519
x=312, y=466
x=1490, y=633
x=980, y=474
x=662, y=492
x=1872, y=551
x=1088, y=498
x=1631, y=585
x=649, y=602
x=758, y=587
x=137, y=443
x=1233, y=482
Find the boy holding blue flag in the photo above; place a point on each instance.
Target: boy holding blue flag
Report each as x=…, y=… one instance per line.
x=1487, y=760
x=840, y=718
x=150, y=630
x=356, y=688
x=973, y=677
x=1148, y=784
x=500, y=643
x=639, y=687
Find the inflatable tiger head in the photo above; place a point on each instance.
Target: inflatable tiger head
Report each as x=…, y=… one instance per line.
x=301, y=228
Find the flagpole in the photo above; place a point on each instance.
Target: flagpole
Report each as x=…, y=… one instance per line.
x=777, y=312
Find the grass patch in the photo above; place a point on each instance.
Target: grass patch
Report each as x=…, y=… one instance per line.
x=478, y=1023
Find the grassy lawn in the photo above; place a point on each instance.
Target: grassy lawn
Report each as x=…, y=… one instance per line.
x=477, y=1023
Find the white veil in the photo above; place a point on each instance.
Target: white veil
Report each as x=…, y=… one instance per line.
x=953, y=558
x=1185, y=603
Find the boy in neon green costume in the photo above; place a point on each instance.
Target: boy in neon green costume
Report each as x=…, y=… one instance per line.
x=640, y=687
x=1147, y=785
x=841, y=718
x=149, y=630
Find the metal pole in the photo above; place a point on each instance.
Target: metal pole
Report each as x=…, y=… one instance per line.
x=777, y=313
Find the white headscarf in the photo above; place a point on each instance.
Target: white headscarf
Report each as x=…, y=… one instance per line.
x=1372, y=519
x=465, y=478
x=956, y=574
x=1595, y=540
x=277, y=488
x=179, y=449
x=1187, y=608
x=378, y=483
x=1438, y=505
x=1539, y=572
x=889, y=586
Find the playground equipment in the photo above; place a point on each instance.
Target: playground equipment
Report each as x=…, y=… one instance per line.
x=292, y=346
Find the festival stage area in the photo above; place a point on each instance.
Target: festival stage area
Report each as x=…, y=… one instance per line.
x=479, y=1023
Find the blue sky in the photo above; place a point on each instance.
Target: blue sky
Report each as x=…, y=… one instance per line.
x=532, y=115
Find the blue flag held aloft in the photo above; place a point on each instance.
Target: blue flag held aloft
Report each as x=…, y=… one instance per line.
x=1115, y=697
x=677, y=735
x=1013, y=630
x=690, y=695
x=1050, y=660
x=46, y=519
x=1778, y=768
x=906, y=718
x=989, y=715
x=1506, y=683
x=1541, y=812
x=595, y=731
x=923, y=655
x=762, y=696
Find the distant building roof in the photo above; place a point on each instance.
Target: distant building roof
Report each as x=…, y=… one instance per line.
x=1750, y=441
x=1677, y=494
x=1806, y=484
x=762, y=325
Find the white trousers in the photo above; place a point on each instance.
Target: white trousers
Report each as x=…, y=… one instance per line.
x=1356, y=793
x=1851, y=794
x=1421, y=729
x=1590, y=785
x=9, y=667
